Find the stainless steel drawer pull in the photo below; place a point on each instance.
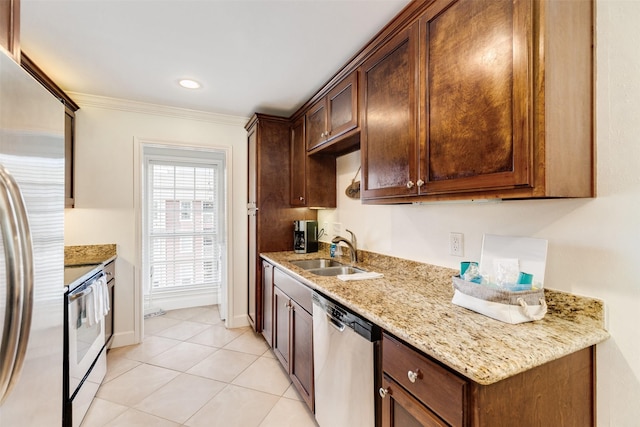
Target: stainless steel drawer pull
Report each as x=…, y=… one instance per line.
x=383, y=392
x=413, y=375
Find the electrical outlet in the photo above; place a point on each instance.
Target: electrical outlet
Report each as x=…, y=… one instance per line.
x=456, y=244
x=337, y=229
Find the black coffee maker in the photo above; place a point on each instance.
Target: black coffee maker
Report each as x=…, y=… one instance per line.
x=305, y=236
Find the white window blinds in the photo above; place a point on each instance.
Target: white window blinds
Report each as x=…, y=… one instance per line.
x=183, y=226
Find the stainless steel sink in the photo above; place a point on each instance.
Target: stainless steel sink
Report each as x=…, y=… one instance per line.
x=309, y=264
x=325, y=267
x=334, y=271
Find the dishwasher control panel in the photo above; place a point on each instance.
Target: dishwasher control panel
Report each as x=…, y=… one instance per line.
x=341, y=316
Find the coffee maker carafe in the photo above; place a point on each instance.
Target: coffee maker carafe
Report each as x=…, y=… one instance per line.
x=305, y=236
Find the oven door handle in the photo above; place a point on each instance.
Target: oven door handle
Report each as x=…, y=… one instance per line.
x=18, y=253
x=86, y=291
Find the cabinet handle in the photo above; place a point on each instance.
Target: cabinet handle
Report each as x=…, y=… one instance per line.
x=384, y=391
x=420, y=183
x=413, y=375
x=410, y=184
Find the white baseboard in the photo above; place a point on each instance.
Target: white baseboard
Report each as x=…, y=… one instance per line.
x=175, y=302
x=122, y=339
x=237, y=321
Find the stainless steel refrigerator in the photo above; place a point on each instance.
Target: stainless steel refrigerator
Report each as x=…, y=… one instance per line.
x=32, y=250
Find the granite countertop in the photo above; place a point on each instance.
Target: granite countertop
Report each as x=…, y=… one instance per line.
x=413, y=302
x=89, y=254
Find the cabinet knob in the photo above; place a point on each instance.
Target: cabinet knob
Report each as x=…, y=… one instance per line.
x=301, y=199
x=410, y=184
x=420, y=183
x=413, y=375
x=384, y=391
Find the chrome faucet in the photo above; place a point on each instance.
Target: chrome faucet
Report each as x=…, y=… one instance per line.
x=353, y=245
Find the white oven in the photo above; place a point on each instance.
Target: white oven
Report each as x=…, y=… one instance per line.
x=87, y=364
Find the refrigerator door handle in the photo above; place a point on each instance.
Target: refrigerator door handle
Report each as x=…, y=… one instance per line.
x=18, y=254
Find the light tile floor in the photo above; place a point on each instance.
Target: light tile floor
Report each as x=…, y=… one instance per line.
x=192, y=371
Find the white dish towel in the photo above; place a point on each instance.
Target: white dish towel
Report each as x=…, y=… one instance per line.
x=360, y=276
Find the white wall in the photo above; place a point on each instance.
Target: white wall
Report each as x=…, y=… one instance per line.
x=104, y=188
x=593, y=244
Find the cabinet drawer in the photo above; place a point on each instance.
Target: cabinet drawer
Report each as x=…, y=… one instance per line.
x=442, y=391
x=294, y=289
x=110, y=271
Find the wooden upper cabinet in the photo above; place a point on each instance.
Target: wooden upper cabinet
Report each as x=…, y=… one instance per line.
x=389, y=118
x=69, y=124
x=316, y=124
x=504, y=104
x=333, y=115
x=10, y=27
x=298, y=164
x=342, y=106
x=313, y=177
x=475, y=63
x=69, y=156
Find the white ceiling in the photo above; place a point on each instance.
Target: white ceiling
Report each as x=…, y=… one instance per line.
x=263, y=55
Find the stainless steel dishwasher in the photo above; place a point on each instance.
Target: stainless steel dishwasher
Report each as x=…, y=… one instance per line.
x=344, y=370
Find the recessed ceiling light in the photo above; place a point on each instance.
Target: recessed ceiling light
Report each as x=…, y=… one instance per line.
x=189, y=84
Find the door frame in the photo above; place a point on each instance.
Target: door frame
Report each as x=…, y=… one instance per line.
x=226, y=296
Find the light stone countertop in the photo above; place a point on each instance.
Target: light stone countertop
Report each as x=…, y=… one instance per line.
x=89, y=254
x=413, y=302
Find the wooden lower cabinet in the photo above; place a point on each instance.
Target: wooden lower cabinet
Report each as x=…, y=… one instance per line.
x=426, y=382
x=417, y=391
x=293, y=332
x=281, y=326
x=301, y=345
x=401, y=409
x=267, y=302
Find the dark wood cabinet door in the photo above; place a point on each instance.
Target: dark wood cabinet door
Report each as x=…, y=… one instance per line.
x=313, y=178
x=342, y=103
x=10, y=27
x=400, y=409
x=301, y=361
x=281, y=308
x=316, y=124
x=389, y=118
x=443, y=392
x=298, y=164
x=267, y=302
x=475, y=78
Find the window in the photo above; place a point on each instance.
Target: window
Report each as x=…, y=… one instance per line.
x=185, y=211
x=183, y=201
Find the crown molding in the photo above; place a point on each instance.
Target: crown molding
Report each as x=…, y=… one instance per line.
x=86, y=100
